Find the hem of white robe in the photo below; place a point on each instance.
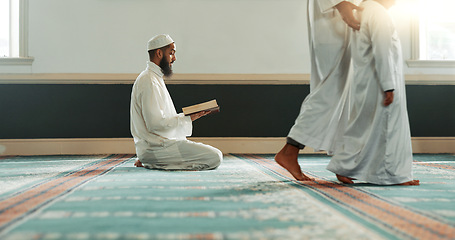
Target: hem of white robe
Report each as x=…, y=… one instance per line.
x=183, y=165
x=389, y=180
x=314, y=142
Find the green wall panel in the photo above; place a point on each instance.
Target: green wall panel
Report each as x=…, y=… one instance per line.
x=102, y=111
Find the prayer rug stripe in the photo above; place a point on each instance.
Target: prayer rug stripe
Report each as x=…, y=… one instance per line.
x=96, y=161
x=20, y=205
x=435, y=165
x=387, y=214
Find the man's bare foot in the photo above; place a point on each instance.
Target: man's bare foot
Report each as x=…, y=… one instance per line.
x=346, y=180
x=410, y=183
x=138, y=164
x=287, y=158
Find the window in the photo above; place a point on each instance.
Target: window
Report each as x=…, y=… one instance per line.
x=14, y=32
x=4, y=28
x=433, y=34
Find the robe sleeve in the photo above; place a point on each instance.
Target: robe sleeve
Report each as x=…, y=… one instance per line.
x=327, y=5
x=382, y=31
x=158, y=119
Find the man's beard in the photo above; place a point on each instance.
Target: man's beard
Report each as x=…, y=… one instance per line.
x=166, y=68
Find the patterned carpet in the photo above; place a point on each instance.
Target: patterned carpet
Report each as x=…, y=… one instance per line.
x=247, y=197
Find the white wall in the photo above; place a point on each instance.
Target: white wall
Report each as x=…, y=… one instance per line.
x=212, y=36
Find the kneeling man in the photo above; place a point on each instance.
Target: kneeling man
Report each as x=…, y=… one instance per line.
x=159, y=131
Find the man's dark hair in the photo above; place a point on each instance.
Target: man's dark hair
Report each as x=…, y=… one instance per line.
x=166, y=69
x=152, y=52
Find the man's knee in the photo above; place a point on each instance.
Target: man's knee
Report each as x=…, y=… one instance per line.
x=204, y=154
x=185, y=155
x=214, y=158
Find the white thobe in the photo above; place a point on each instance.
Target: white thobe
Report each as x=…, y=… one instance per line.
x=377, y=143
x=321, y=116
x=160, y=133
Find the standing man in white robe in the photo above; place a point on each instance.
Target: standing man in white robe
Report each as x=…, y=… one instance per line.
x=320, y=118
x=159, y=132
x=377, y=142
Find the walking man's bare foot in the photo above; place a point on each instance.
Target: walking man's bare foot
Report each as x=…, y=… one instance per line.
x=138, y=164
x=287, y=158
x=410, y=183
x=346, y=180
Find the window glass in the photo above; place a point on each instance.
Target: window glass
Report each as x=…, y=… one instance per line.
x=4, y=28
x=437, y=30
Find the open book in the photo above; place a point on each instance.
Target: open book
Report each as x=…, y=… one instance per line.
x=211, y=106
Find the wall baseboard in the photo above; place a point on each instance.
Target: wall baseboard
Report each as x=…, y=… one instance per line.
x=258, y=145
x=198, y=78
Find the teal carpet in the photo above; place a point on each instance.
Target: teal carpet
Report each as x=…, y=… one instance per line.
x=247, y=197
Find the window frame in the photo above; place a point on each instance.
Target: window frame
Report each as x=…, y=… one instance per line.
x=23, y=58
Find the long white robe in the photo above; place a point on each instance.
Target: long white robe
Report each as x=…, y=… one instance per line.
x=321, y=116
x=377, y=143
x=160, y=133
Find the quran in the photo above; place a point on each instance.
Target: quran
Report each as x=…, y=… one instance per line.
x=211, y=106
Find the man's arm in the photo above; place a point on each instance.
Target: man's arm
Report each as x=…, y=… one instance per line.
x=346, y=9
x=155, y=117
x=382, y=30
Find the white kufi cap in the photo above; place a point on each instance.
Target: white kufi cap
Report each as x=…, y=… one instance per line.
x=159, y=41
